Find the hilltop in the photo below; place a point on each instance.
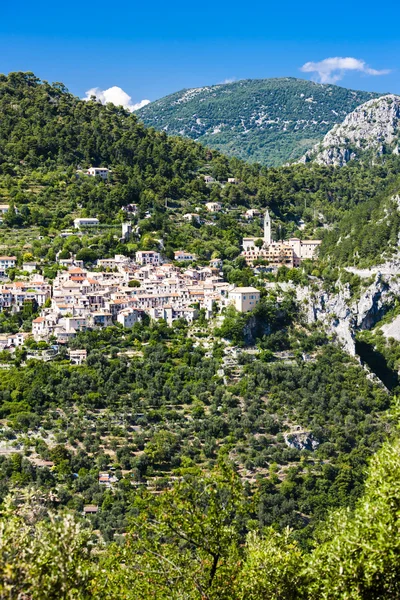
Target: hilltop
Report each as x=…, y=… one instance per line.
x=270, y=121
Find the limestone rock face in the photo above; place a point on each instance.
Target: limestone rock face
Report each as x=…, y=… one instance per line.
x=371, y=306
x=374, y=126
x=392, y=330
x=333, y=311
x=343, y=317
x=302, y=440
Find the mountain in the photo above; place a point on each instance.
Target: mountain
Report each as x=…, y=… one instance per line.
x=270, y=121
x=371, y=129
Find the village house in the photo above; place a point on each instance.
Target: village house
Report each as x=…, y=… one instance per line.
x=251, y=213
x=70, y=262
x=29, y=266
x=7, y=262
x=98, y=172
x=244, y=298
x=77, y=357
x=216, y=263
x=192, y=217
x=128, y=317
x=8, y=341
x=90, y=509
x=101, y=319
x=85, y=222
x=214, y=206
x=119, y=260
x=39, y=328
x=148, y=257
x=183, y=256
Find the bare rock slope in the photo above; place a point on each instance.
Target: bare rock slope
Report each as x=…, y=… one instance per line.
x=373, y=127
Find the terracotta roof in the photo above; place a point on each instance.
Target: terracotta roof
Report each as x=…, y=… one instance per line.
x=38, y=320
x=75, y=270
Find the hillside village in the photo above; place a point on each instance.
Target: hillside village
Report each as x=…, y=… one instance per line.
x=122, y=290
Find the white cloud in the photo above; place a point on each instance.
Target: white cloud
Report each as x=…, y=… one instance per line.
x=331, y=70
x=140, y=104
x=228, y=80
x=117, y=96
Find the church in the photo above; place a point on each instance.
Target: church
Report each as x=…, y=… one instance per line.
x=289, y=253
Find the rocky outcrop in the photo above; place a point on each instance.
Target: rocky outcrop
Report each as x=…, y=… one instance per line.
x=333, y=311
x=302, y=440
x=373, y=303
x=343, y=316
x=392, y=330
x=374, y=126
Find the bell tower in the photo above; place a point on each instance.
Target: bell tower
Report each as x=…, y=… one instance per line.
x=267, y=229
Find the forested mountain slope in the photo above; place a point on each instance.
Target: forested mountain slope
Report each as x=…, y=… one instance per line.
x=46, y=133
x=270, y=121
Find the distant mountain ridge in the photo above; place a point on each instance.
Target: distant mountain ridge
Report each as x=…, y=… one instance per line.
x=372, y=129
x=271, y=121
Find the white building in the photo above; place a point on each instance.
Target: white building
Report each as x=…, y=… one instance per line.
x=77, y=357
x=192, y=217
x=119, y=260
x=98, y=172
x=244, y=298
x=70, y=262
x=128, y=317
x=303, y=249
x=183, y=256
x=29, y=266
x=251, y=213
x=85, y=222
x=7, y=262
x=39, y=328
x=148, y=257
x=213, y=206
x=4, y=208
x=216, y=263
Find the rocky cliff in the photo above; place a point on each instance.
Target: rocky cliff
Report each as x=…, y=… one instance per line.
x=343, y=316
x=372, y=128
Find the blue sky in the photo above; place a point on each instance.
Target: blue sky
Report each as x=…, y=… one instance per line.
x=150, y=49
